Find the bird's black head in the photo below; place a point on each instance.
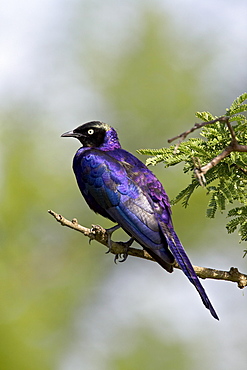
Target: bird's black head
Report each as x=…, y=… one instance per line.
x=90, y=134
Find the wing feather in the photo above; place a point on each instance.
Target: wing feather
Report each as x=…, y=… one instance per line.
x=109, y=188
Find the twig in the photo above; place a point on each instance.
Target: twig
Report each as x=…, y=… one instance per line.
x=233, y=147
x=201, y=171
x=196, y=127
x=99, y=234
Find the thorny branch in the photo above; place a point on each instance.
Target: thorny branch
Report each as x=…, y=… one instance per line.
x=196, y=126
x=99, y=234
x=234, y=146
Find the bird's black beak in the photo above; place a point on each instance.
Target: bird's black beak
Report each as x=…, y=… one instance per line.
x=71, y=134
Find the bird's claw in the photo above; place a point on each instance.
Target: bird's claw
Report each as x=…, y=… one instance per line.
x=89, y=241
x=118, y=255
x=126, y=246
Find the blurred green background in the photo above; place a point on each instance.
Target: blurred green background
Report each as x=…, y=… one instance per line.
x=144, y=69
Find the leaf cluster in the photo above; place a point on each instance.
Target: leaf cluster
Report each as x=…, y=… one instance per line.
x=226, y=183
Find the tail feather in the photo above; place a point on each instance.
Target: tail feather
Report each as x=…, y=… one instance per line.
x=186, y=266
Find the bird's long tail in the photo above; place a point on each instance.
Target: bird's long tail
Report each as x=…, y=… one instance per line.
x=186, y=266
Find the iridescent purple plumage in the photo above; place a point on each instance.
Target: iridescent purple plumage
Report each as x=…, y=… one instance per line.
x=118, y=186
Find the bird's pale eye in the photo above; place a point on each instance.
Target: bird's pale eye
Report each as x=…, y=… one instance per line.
x=90, y=131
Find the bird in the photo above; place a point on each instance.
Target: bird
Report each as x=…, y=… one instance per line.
x=118, y=186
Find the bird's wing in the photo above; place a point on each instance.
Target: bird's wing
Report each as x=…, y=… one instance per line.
x=106, y=182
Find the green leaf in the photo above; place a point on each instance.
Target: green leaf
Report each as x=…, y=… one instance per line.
x=205, y=116
x=239, y=100
x=238, y=117
x=212, y=207
x=185, y=194
x=233, y=224
x=239, y=109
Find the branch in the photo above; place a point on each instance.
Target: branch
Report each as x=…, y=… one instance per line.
x=233, y=147
x=195, y=127
x=99, y=234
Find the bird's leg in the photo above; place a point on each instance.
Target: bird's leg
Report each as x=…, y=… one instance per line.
x=109, y=233
x=126, y=246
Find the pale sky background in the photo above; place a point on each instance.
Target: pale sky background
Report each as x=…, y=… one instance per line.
x=38, y=37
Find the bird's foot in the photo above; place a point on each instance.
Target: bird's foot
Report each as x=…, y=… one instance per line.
x=109, y=233
x=126, y=246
